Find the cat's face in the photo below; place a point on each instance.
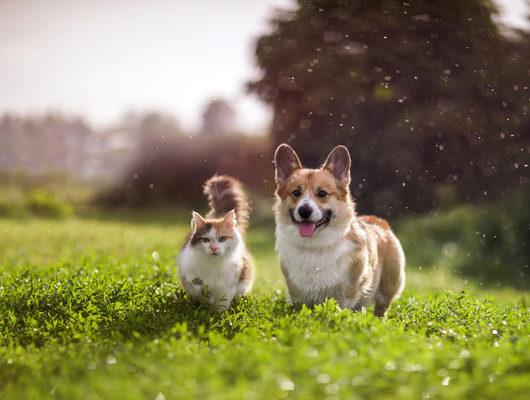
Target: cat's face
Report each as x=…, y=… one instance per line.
x=214, y=237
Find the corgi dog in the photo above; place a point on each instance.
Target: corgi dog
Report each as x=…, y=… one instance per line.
x=215, y=266
x=325, y=249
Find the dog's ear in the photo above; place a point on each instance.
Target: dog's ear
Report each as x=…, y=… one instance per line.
x=339, y=164
x=286, y=162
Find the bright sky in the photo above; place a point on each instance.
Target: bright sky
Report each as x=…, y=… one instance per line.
x=101, y=58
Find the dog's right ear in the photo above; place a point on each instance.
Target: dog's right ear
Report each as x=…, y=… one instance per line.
x=286, y=162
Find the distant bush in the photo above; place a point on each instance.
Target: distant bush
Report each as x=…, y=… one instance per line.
x=490, y=244
x=170, y=171
x=46, y=204
x=8, y=208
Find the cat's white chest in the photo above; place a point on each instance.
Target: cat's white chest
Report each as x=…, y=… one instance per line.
x=209, y=279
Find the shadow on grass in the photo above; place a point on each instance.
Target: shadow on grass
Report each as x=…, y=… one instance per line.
x=197, y=318
x=80, y=305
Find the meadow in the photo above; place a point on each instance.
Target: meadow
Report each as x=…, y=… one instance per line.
x=91, y=308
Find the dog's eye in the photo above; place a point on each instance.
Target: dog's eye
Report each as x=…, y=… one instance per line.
x=322, y=193
x=222, y=238
x=296, y=193
x=205, y=239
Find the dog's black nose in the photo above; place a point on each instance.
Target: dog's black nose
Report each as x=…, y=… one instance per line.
x=305, y=211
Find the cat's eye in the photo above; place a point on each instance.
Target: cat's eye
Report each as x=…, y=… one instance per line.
x=222, y=238
x=205, y=239
x=322, y=193
x=296, y=193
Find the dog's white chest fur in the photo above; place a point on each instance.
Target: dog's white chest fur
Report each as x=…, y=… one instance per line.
x=317, y=273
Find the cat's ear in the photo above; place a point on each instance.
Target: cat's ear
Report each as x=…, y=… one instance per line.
x=230, y=218
x=196, y=220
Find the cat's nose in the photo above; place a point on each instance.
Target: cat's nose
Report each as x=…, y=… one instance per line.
x=214, y=248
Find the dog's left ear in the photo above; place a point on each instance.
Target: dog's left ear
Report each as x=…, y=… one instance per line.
x=339, y=164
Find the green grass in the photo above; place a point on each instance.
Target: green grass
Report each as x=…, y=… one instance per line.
x=91, y=309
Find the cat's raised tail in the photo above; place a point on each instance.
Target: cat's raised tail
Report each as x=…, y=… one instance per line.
x=225, y=193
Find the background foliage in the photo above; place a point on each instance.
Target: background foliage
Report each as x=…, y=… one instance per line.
x=422, y=93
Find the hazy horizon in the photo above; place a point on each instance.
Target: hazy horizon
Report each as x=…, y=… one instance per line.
x=101, y=59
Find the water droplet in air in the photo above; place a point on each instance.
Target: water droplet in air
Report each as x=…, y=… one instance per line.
x=111, y=360
x=286, y=384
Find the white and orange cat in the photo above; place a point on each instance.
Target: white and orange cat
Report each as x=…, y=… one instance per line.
x=215, y=265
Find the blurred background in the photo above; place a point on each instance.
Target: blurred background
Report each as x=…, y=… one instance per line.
x=117, y=105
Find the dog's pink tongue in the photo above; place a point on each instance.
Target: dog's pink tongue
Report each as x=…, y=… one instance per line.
x=307, y=229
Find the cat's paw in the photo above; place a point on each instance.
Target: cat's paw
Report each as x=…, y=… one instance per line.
x=220, y=307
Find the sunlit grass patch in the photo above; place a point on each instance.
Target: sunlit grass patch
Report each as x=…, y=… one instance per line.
x=92, y=309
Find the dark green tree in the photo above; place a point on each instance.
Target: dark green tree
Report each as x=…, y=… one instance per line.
x=419, y=91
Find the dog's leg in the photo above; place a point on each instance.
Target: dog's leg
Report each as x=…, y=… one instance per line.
x=353, y=288
x=295, y=295
x=392, y=277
